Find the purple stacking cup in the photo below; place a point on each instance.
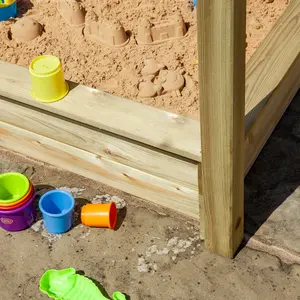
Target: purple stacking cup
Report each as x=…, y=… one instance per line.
x=19, y=218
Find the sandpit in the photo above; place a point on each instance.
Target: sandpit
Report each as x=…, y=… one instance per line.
x=116, y=67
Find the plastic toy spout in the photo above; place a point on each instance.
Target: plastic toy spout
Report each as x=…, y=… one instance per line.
x=67, y=285
x=118, y=296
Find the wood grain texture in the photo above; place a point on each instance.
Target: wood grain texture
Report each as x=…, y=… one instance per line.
x=135, y=182
x=130, y=119
x=271, y=61
x=122, y=151
x=271, y=113
x=221, y=46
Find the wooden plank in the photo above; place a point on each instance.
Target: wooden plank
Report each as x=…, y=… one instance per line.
x=221, y=46
x=271, y=61
x=135, y=182
x=130, y=119
x=271, y=113
x=123, y=151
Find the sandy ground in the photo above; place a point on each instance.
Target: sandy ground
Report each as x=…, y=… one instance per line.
x=153, y=255
x=118, y=71
x=156, y=254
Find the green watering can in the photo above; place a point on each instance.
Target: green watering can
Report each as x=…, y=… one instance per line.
x=67, y=285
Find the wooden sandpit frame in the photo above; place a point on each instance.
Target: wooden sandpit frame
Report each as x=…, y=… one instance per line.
x=156, y=155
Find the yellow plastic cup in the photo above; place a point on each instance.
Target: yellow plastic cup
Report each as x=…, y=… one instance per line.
x=47, y=77
x=6, y=3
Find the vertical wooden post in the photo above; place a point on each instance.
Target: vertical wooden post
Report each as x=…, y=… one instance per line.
x=221, y=48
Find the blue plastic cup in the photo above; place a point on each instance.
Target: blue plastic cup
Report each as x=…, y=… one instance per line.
x=57, y=210
x=8, y=11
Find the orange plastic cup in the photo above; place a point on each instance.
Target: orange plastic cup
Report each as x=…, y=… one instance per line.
x=99, y=215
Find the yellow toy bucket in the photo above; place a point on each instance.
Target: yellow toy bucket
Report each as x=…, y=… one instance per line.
x=5, y=3
x=47, y=77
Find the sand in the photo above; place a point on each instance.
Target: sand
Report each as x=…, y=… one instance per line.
x=118, y=70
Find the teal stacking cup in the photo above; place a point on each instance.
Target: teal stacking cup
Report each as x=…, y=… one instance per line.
x=57, y=209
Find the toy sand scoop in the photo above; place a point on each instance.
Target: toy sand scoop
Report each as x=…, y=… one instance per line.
x=67, y=285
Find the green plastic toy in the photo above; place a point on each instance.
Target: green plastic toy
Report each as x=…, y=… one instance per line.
x=67, y=285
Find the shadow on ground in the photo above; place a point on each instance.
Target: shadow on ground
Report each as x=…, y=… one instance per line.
x=121, y=217
x=23, y=7
x=100, y=286
x=276, y=172
x=40, y=190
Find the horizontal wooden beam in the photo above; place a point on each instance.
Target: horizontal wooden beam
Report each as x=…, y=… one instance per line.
x=139, y=122
x=125, y=178
x=121, y=150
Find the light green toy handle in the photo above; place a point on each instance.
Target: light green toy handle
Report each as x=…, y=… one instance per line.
x=118, y=296
x=67, y=285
